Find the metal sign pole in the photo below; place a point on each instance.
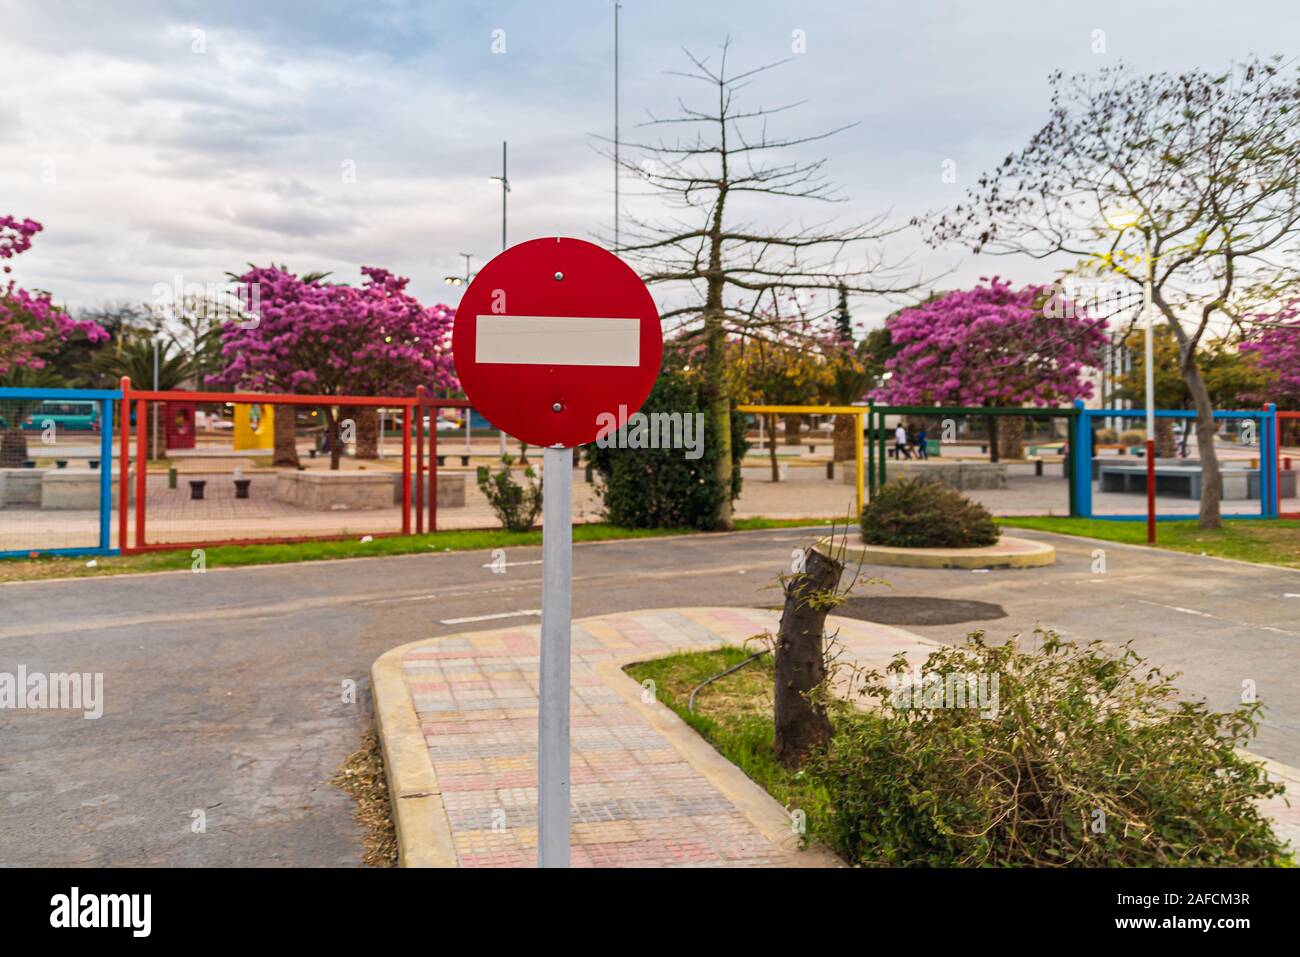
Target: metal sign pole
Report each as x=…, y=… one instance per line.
x=553, y=690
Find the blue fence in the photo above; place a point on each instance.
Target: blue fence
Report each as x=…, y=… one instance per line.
x=1267, y=455
x=40, y=506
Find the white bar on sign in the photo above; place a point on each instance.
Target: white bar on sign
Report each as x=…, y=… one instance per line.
x=557, y=340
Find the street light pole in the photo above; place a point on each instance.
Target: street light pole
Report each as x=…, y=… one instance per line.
x=505, y=188
x=1121, y=220
x=1147, y=296
x=616, y=9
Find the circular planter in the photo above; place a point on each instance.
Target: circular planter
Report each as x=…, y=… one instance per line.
x=1007, y=553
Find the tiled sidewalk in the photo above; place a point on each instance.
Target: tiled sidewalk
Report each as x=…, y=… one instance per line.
x=646, y=790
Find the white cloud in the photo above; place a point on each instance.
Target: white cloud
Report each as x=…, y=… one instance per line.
x=166, y=160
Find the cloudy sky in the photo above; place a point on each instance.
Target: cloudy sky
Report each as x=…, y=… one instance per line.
x=160, y=138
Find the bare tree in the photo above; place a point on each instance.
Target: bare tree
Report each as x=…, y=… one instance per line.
x=1210, y=166
x=737, y=275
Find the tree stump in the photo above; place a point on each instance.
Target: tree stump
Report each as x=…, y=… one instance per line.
x=800, y=664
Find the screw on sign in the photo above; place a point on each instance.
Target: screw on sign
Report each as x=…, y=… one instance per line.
x=551, y=335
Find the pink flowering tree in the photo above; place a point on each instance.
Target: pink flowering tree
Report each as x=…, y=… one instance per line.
x=32, y=329
x=1276, y=347
x=329, y=339
x=31, y=326
x=992, y=346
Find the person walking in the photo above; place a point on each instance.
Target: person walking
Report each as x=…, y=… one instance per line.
x=922, y=449
x=901, y=451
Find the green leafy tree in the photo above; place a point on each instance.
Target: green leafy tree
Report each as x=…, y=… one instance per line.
x=663, y=488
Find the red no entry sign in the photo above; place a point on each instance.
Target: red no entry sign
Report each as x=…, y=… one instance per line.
x=551, y=334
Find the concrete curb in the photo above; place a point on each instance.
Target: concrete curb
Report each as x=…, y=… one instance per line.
x=423, y=832
x=1009, y=552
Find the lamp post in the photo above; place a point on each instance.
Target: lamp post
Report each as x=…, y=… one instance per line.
x=1122, y=220
x=505, y=189
x=461, y=280
x=504, y=180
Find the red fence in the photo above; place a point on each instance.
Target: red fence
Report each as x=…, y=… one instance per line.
x=1284, y=483
x=232, y=499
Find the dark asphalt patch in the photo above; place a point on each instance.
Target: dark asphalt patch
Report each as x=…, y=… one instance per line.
x=919, y=610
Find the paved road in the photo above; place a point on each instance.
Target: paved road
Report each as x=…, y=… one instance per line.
x=225, y=691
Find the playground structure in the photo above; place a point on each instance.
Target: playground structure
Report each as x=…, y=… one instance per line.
x=182, y=483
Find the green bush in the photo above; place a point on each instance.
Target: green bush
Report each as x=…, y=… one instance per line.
x=1106, y=436
x=1088, y=759
x=1133, y=437
x=919, y=513
x=662, y=488
x=516, y=506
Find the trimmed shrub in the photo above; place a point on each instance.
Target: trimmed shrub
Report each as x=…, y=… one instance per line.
x=516, y=505
x=1133, y=437
x=1077, y=756
x=919, y=513
x=661, y=487
x=1106, y=436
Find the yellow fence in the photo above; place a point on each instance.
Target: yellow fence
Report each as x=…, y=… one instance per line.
x=858, y=411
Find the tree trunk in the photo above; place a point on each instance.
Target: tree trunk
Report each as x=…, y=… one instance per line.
x=1166, y=441
x=844, y=442
x=367, y=422
x=1010, y=435
x=284, y=428
x=333, y=438
x=771, y=448
x=993, y=437
x=715, y=343
x=1211, y=479
x=13, y=448
x=793, y=429
x=719, y=408
x=801, y=722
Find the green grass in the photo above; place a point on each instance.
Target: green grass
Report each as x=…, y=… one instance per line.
x=1264, y=541
x=734, y=714
x=225, y=556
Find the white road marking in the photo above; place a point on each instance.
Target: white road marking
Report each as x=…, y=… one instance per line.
x=557, y=340
x=500, y=614
x=1192, y=611
x=509, y=564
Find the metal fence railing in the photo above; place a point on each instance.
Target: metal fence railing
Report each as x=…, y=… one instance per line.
x=208, y=468
x=1111, y=481
x=56, y=471
x=958, y=445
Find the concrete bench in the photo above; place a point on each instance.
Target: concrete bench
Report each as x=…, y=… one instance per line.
x=56, y=489
x=450, y=489
x=962, y=476
x=335, y=491
x=1178, y=480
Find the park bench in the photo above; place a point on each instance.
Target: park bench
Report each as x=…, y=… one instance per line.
x=1177, y=480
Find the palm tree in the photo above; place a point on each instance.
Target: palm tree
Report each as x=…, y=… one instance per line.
x=134, y=357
